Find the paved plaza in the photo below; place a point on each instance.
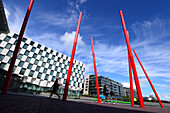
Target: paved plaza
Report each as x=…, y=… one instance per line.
x=14, y=103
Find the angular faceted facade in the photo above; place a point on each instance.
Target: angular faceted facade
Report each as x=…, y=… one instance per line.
x=38, y=65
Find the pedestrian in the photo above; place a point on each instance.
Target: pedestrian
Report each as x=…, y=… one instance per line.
x=105, y=91
x=55, y=88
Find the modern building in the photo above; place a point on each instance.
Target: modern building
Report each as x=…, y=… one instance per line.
x=37, y=66
x=90, y=85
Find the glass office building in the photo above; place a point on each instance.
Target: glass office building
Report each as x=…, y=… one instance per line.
x=37, y=66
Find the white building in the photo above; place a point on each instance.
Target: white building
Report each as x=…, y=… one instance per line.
x=38, y=65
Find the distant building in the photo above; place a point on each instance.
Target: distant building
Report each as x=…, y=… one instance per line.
x=90, y=85
x=127, y=92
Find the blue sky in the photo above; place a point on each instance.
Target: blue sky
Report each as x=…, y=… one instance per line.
x=53, y=23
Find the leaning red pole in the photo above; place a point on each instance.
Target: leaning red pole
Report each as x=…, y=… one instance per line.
x=71, y=60
x=148, y=79
x=131, y=82
x=132, y=63
x=9, y=74
x=95, y=70
x=131, y=79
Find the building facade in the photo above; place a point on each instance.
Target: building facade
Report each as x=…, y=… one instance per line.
x=90, y=85
x=127, y=92
x=38, y=65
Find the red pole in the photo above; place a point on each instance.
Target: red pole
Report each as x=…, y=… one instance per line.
x=131, y=83
x=131, y=79
x=149, y=80
x=9, y=74
x=132, y=63
x=71, y=60
x=95, y=70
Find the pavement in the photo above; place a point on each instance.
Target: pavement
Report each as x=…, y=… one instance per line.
x=20, y=103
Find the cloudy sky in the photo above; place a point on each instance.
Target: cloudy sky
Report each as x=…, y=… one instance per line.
x=53, y=23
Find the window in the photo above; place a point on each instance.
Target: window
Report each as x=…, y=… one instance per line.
x=51, y=73
x=51, y=51
x=48, y=61
x=39, y=75
x=25, y=46
x=53, y=57
x=14, y=68
x=43, y=64
x=22, y=71
x=28, y=59
x=38, y=68
x=24, y=39
x=15, y=36
x=45, y=49
x=34, y=55
x=45, y=70
x=53, y=78
x=9, y=61
x=36, y=62
x=42, y=58
x=63, y=61
x=1, y=57
x=50, y=66
x=1, y=49
x=39, y=46
x=47, y=54
x=72, y=78
x=66, y=71
x=33, y=49
x=31, y=73
x=40, y=52
x=58, y=74
x=46, y=77
x=32, y=43
x=26, y=53
x=8, y=46
x=64, y=81
x=63, y=76
x=7, y=39
x=21, y=63
x=75, y=74
x=57, y=54
x=61, y=70
x=9, y=53
x=56, y=68
x=74, y=83
x=19, y=56
x=2, y=65
x=29, y=66
x=54, y=63
x=15, y=42
x=77, y=79
x=58, y=59
x=60, y=64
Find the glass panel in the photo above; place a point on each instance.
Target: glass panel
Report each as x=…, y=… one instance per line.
x=43, y=64
x=32, y=43
x=36, y=62
x=24, y=39
x=22, y=71
x=39, y=75
x=7, y=39
x=19, y=56
x=29, y=66
x=38, y=68
x=40, y=52
x=33, y=49
x=21, y=63
x=25, y=46
x=9, y=53
x=2, y=65
x=46, y=77
x=28, y=59
x=45, y=70
x=8, y=46
x=34, y=56
x=31, y=73
x=26, y=53
x=42, y=58
x=1, y=49
x=1, y=57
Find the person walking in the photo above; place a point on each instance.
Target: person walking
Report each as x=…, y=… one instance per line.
x=55, y=88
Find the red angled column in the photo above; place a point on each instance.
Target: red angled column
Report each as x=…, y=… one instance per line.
x=95, y=70
x=132, y=63
x=71, y=60
x=131, y=82
x=131, y=79
x=9, y=74
x=149, y=80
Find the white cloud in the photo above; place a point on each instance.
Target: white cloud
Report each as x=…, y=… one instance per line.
x=7, y=13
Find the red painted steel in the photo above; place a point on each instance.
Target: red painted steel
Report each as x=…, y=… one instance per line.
x=95, y=70
x=71, y=60
x=9, y=74
x=148, y=79
x=132, y=63
x=131, y=82
x=131, y=79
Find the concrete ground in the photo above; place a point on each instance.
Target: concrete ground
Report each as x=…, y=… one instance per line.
x=20, y=103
